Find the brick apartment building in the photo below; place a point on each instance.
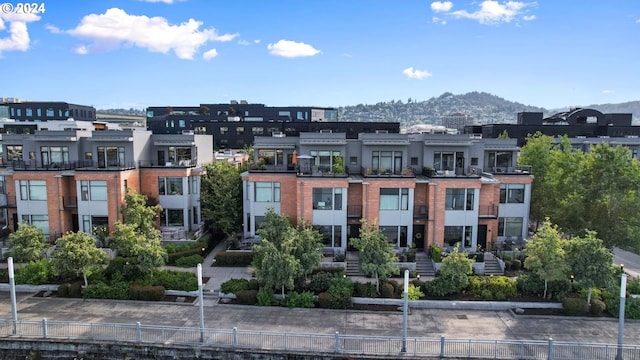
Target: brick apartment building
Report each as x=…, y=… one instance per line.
x=72, y=176
x=419, y=189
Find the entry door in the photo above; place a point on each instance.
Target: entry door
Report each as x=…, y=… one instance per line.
x=353, y=231
x=161, y=161
x=418, y=236
x=482, y=236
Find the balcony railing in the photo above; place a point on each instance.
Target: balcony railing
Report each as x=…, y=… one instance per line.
x=354, y=211
x=382, y=172
x=180, y=163
x=7, y=201
x=256, y=167
x=69, y=202
x=488, y=211
x=34, y=165
x=420, y=212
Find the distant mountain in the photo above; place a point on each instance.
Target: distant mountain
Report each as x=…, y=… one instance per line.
x=485, y=108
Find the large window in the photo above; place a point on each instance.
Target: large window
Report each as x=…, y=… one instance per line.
x=94, y=224
x=35, y=190
x=110, y=156
x=458, y=234
x=177, y=154
x=4, y=218
x=512, y=193
x=396, y=235
x=172, y=217
x=193, y=185
x=459, y=199
x=325, y=159
x=93, y=190
x=267, y=192
x=271, y=156
x=443, y=161
x=14, y=152
x=3, y=185
x=331, y=235
x=327, y=198
x=39, y=221
x=501, y=160
x=387, y=162
x=54, y=154
x=170, y=185
x=394, y=199
x=510, y=226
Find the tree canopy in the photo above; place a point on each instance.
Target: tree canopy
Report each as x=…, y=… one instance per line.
x=545, y=254
x=76, y=254
x=27, y=243
x=589, y=261
x=221, y=197
x=377, y=257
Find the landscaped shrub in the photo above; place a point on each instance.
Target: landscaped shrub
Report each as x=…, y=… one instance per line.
x=480, y=256
x=440, y=287
x=633, y=286
x=436, y=254
x=516, y=265
x=37, y=272
x=492, y=287
x=575, y=306
x=247, y=297
x=397, y=287
x=175, y=280
x=146, y=292
x=414, y=293
x=175, y=248
x=253, y=284
x=325, y=300
x=189, y=261
x=265, y=297
x=299, y=300
x=338, y=271
x=341, y=290
x=530, y=284
x=121, y=268
x=597, y=306
x=233, y=258
x=387, y=290
x=116, y=291
x=173, y=258
x=70, y=289
x=612, y=303
x=365, y=289
x=232, y=286
x=320, y=282
x=507, y=265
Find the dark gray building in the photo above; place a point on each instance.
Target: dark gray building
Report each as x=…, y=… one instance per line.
x=38, y=111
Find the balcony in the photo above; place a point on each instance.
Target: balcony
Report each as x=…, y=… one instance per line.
x=108, y=166
x=382, y=172
x=33, y=165
x=420, y=212
x=7, y=201
x=354, y=211
x=264, y=168
x=488, y=211
x=69, y=202
x=185, y=163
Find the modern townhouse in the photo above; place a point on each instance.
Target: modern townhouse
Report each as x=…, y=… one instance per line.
x=72, y=176
x=420, y=189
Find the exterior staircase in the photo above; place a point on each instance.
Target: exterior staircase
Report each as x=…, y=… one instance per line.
x=424, y=266
x=353, y=264
x=491, y=265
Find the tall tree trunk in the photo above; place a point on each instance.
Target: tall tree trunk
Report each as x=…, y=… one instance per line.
x=377, y=284
x=545, y=289
x=283, y=291
x=589, y=297
x=84, y=276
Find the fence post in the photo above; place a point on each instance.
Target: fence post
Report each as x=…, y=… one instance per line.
x=44, y=328
x=337, y=341
x=235, y=337
x=550, y=355
x=138, y=332
x=441, y=346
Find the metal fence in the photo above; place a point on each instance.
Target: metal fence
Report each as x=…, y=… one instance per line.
x=318, y=343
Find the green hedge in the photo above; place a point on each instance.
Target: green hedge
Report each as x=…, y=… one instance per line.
x=233, y=258
x=493, y=287
x=174, y=257
x=189, y=261
x=146, y=292
x=232, y=286
x=117, y=291
x=175, y=280
x=35, y=273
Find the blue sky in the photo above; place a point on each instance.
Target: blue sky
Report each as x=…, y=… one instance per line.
x=134, y=53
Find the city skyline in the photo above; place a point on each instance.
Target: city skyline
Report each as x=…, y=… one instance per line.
x=134, y=53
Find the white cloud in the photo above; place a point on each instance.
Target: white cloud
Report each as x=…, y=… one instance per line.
x=116, y=28
x=494, y=12
x=53, y=29
x=412, y=73
x=210, y=54
x=437, y=20
x=256, y=41
x=608, y=91
x=18, y=38
x=291, y=49
x=243, y=42
x=529, y=17
x=441, y=6
x=81, y=50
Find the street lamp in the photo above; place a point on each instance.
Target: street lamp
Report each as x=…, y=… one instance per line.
x=12, y=285
x=572, y=277
x=200, y=301
x=623, y=295
x=405, y=309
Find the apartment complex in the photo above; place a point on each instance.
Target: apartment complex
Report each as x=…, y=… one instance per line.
x=420, y=189
x=38, y=111
x=73, y=175
x=236, y=124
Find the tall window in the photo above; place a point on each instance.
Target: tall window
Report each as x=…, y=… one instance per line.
x=54, y=154
x=458, y=234
x=331, y=235
x=39, y=221
x=271, y=156
x=172, y=217
x=4, y=218
x=34, y=190
x=28, y=112
x=327, y=198
x=396, y=235
x=394, y=199
x=512, y=193
x=267, y=192
x=387, y=162
x=170, y=185
x=178, y=153
x=325, y=159
x=459, y=199
x=110, y=156
x=94, y=224
x=510, y=226
x=14, y=152
x=3, y=185
x=500, y=159
x=93, y=190
x=51, y=112
x=193, y=185
x=443, y=161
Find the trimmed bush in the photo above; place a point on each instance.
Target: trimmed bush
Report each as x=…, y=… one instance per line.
x=265, y=297
x=387, y=290
x=507, y=265
x=146, y=292
x=233, y=259
x=492, y=287
x=597, y=306
x=117, y=291
x=299, y=300
x=70, y=289
x=397, y=287
x=175, y=280
x=414, y=293
x=254, y=285
x=365, y=290
x=439, y=287
x=575, y=306
x=172, y=259
x=436, y=254
x=633, y=286
x=325, y=300
x=247, y=297
x=516, y=265
x=232, y=286
x=341, y=291
x=320, y=281
x=121, y=268
x=189, y=261
x=36, y=272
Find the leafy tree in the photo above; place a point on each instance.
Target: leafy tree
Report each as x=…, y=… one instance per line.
x=304, y=244
x=140, y=214
x=545, y=256
x=221, y=197
x=536, y=154
x=76, y=253
x=377, y=257
x=142, y=252
x=27, y=243
x=456, y=268
x=274, y=267
x=504, y=134
x=274, y=228
x=590, y=261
